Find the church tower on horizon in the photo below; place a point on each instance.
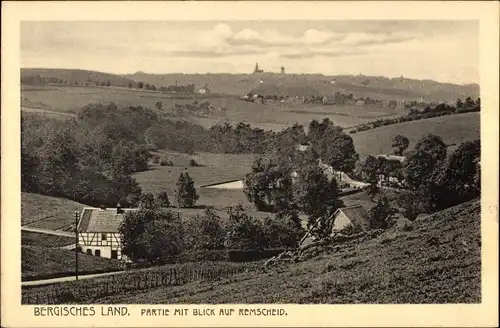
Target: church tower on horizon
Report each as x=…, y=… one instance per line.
x=257, y=70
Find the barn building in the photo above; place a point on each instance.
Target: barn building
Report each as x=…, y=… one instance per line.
x=352, y=216
x=98, y=231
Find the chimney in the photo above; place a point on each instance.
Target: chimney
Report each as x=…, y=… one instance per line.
x=119, y=209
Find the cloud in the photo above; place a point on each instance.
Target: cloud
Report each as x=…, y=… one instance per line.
x=322, y=53
x=211, y=53
x=222, y=40
x=356, y=39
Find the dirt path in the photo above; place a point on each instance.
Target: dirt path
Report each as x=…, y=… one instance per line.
x=64, y=279
x=49, y=232
x=38, y=110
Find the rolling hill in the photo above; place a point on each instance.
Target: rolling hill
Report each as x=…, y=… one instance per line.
x=79, y=75
x=307, y=84
x=453, y=129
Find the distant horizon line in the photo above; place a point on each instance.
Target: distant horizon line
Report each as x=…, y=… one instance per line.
x=252, y=73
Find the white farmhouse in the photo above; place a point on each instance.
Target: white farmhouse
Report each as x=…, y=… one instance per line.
x=98, y=232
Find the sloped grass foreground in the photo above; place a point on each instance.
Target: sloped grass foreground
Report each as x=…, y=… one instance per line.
x=44, y=240
x=436, y=260
x=45, y=263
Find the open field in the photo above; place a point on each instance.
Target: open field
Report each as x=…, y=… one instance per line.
x=44, y=240
x=46, y=212
x=217, y=168
x=69, y=99
x=42, y=263
x=437, y=260
x=454, y=129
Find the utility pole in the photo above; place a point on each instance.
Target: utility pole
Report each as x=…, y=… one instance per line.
x=77, y=216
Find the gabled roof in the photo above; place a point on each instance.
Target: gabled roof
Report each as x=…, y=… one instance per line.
x=101, y=220
x=356, y=214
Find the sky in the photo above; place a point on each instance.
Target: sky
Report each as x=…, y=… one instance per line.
x=445, y=51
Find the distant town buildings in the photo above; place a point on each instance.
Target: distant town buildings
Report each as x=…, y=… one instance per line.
x=204, y=91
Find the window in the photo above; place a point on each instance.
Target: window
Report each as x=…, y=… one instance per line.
x=114, y=254
x=98, y=252
x=103, y=236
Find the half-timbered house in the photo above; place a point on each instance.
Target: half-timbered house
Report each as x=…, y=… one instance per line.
x=98, y=232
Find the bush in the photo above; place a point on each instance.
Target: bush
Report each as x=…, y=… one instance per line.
x=205, y=232
x=162, y=199
x=150, y=235
x=243, y=232
x=155, y=159
x=192, y=162
x=166, y=162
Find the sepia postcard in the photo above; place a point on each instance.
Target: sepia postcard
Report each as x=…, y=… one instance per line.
x=242, y=164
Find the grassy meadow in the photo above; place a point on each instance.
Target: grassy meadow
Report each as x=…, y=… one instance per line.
x=40, y=262
x=272, y=116
x=46, y=212
x=215, y=168
x=454, y=129
x=44, y=240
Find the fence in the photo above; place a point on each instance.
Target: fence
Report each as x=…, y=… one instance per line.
x=93, y=290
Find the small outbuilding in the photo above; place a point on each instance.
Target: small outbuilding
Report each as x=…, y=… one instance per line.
x=352, y=216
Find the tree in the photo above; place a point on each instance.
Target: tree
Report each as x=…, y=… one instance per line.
x=151, y=236
x=162, y=199
x=269, y=185
x=469, y=102
x=413, y=202
x=380, y=215
x=147, y=201
x=284, y=230
x=59, y=163
x=186, y=192
x=399, y=144
x=457, y=180
x=126, y=189
x=243, y=231
x=368, y=171
x=459, y=104
x=108, y=83
x=428, y=153
x=332, y=145
x=316, y=196
x=140, y=85
x=205, y=232
x=159, y=105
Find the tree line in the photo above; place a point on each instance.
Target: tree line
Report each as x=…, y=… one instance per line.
x=154, y=235
x=431, y=179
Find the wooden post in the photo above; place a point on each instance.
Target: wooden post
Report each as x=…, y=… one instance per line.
x=77, y=216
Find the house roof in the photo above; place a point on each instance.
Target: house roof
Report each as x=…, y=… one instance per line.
x=356, y=214
x=392, y=157
x=100, y=220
